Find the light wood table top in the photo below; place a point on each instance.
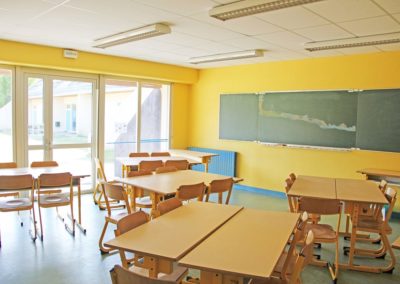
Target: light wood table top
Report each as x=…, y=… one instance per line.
x=128, y=161
x=174, y=234
x=315, y=187
x=380, y=172
x=37, y=171
x=359, y=191
x=249, y=244
x=199, y=156
x=167, y=183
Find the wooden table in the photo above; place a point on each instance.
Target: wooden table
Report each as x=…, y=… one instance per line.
x=169, y=237
x=390, y=176
x=76, y=173
x=248, y=245
x=128, y=162
x=201, y=157
x=167, y=183
x=353, y=192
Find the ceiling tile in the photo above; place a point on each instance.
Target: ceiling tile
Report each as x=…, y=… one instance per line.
x=372, y=26
x=345, y=10
x=203, y=30
x=285, y=39
x=293, y=18
x=247, y=42
x=327, y=32
x=358, y=50
x=391, y=6
x=389, y=47
x=181, y=7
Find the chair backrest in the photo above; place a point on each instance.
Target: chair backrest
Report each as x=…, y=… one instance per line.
x=139, y=173
x=37, y=164
x=168, y=205
x=187, y=192
x=160, y=154
x=292, y=176
x=288, y=184
x=120, y=275
x=304, y=258
x=54, y=180
x=391, y=196
x=220, y=186
x=298, y=233
x=131, y=221
x=8, y=165
x=179, y=164
x=319, y=206
x=383, y=185
x=115, y=192
x=150, y=165
x=101, y=176
x=161, y=170
x=139, y=154
x=16, y=182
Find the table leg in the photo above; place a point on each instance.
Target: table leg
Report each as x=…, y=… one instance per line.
x=155, y=199
x=156, y=265
x=206, y=161
x=79, y=223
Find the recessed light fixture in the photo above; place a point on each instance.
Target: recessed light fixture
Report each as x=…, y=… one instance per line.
x=132, y=35
x=250, y=7
x=227, y=56
x=353, y=42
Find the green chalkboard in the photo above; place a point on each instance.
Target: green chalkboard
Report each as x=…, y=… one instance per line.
x=368, y=120
x=238, y=118
x=325, y=119
x=378, y=126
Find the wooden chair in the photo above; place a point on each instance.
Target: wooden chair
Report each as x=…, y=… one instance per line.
x=120, y=275
x=324, y=233
x=301, y=261
x=48, y=199
x=187, y=192
x=292, y=201
x=160, y=154
x=98, y=192
x=178, y=164
x=137, y=197
x=220, y=186
x=138, y=154
x=150, y=165
x=9, y=165
x=19, y=182
x=286, y=262
x=125, y=224
x=161, y=170
x=379, y=225
x=116, y=192
x=168, y=205
x=292, y=176
x=38, y=164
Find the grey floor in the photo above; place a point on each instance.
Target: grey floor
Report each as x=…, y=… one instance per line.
x=62, y=258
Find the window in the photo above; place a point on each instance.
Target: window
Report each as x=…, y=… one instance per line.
x=6, y=115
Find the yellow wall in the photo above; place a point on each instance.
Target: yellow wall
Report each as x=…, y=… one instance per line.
x=265, y=166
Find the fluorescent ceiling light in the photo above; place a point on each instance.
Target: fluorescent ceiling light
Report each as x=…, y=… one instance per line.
x=250, y=7
x=132, y=35
x=227, y=56
x=353, y=42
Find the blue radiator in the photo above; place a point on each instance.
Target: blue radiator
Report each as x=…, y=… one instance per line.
x=223, y=164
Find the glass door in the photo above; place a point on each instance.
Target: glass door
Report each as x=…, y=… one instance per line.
x=60, y=119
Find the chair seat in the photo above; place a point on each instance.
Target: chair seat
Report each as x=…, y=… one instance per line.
x=115, y=218
x=17, y=203
x=279, y=266
x=373, y=225
x=48, y=200
x=144, y=201
x=321, y=232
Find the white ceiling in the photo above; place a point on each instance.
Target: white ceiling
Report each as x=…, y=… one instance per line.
x=282, y=33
